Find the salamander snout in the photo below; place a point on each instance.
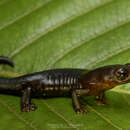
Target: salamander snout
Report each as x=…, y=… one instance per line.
x=123, y=74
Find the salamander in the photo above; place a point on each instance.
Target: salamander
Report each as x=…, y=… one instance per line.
x=66, y=82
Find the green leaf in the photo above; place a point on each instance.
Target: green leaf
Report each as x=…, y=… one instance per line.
x=44, y=34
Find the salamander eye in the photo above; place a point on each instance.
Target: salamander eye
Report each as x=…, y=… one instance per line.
x=122, y=74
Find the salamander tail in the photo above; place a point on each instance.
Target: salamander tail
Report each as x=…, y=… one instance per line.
x=6, y=60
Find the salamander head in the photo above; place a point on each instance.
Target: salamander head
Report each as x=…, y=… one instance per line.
x=122, y=74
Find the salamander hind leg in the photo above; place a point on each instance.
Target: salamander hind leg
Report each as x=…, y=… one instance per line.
x=26, y=104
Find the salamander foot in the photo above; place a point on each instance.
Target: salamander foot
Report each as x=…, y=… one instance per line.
x=99, y=102
x=81, y=110
x=28, y=107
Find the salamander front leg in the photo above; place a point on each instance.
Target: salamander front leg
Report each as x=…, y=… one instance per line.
x=101, y=100
x=76, y=104
x=26, y=104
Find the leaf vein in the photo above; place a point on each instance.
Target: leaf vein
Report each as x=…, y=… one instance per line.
x=3, y=2
x=119, y=90
x=55, y=26
x=60, y=115
x=108, y=55
x=54, y=59
x=126, y=99
x=24, y=14
x=104, y=118
x=30, y=124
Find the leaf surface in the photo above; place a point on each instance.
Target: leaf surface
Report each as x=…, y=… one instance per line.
x=46, y=34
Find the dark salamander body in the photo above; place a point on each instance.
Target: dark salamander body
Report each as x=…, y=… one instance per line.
x=57, y=82
x=65, y=82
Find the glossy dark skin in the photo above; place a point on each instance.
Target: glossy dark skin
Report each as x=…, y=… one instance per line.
x=65, y=82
